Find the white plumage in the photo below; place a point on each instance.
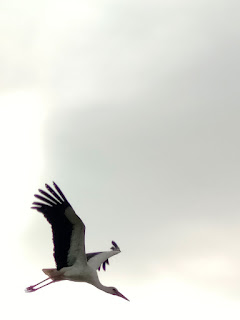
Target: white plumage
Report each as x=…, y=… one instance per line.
x=69, y=244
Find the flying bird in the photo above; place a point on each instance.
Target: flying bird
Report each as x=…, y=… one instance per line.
x=72, y=263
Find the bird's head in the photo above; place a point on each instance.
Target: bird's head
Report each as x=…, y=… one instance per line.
x=115, y=292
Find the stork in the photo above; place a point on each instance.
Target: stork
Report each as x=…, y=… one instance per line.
x=72, y=263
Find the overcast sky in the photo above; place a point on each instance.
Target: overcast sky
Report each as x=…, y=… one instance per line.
x=132, y=108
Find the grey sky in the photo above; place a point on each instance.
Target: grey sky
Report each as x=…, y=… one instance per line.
x=133, y=109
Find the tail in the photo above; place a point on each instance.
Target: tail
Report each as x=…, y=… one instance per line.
x=51, y=273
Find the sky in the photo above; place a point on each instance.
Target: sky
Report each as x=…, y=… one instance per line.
x=132, y=108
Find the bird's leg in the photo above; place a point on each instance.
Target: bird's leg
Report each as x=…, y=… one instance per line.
x=32, y=288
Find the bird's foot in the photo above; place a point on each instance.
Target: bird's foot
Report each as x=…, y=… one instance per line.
x=30, y=289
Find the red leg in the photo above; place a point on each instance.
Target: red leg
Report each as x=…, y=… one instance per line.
x=32, y=288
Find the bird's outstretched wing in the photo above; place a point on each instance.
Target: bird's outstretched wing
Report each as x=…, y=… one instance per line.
x=67, y=228
x=98, y=259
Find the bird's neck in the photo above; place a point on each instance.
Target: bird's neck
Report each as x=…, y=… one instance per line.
x=101, y=287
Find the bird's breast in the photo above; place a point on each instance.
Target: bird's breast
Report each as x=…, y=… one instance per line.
x=78, y=274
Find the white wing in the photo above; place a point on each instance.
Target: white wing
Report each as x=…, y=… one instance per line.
x=76, y=253
x=97, y=259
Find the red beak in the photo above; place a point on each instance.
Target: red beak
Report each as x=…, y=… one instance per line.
x=122, y=296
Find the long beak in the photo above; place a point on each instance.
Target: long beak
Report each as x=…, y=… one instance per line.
x=122, y=296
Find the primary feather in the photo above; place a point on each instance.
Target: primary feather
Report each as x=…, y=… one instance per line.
x=66, y=226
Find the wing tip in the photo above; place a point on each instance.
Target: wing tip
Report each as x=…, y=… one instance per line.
x=47, y=186
x=115, y=246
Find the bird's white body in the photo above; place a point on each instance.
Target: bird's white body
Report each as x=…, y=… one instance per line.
x=84, y=274
x=69, y=244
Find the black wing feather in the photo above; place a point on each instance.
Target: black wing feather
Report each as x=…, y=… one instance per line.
x=48, y=196
x=53, y=210
x=45, y=199
x=54, y=193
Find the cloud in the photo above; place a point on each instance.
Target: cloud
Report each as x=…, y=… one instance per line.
x=88, y=54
